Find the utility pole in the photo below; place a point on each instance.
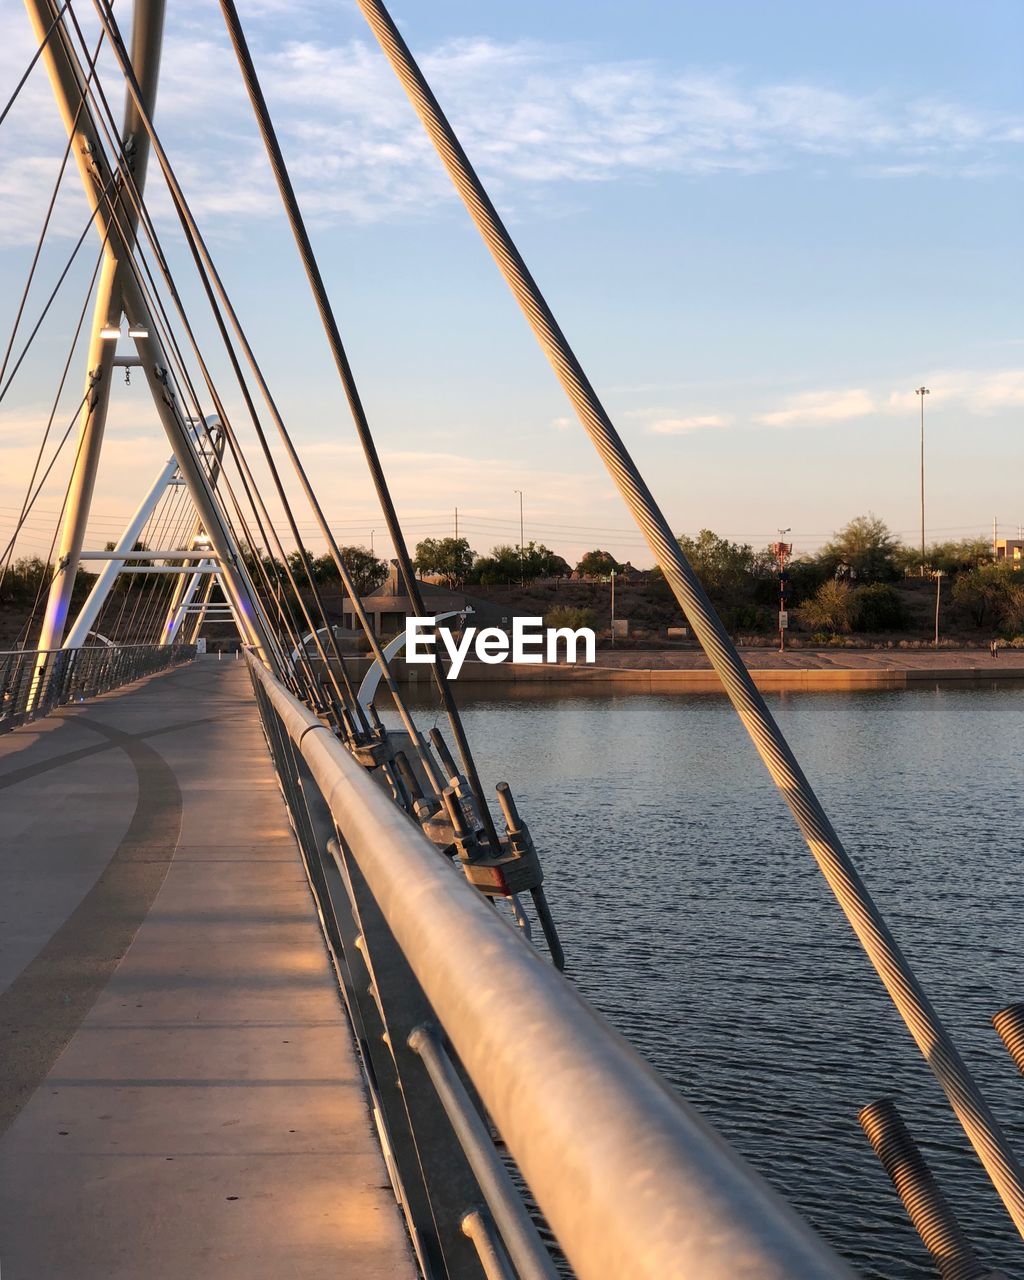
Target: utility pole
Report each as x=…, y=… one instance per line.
x=613, y=608
x=922, y=392
x=995, y=535
x=372, y=532
x=522, y=564
x=782, y=551
x=456, y=524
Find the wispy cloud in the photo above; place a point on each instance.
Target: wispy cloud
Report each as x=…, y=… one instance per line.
x=820, y=406
x=531, y=115
x=978, y=392
x=680, y=426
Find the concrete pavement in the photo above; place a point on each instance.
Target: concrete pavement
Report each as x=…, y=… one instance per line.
x=180, y=1094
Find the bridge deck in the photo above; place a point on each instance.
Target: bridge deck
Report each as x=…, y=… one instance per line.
x=179, y=1095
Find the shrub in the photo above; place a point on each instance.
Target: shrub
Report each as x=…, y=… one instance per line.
x=830, y=609
x=568, y=615
x=747, y=617
x=878, y=607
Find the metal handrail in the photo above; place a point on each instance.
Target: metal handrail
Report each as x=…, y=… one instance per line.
x=631, y=1179
x=34, y=683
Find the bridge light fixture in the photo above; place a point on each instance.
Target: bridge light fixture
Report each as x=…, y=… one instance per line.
x=110, y=332
x=138, y=331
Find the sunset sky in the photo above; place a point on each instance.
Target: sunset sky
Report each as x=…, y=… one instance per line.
x=761, y=226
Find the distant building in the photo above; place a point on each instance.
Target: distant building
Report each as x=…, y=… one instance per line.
x=388, y=606
x=1011, y=549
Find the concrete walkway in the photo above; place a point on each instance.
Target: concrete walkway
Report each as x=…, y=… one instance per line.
x=179, y=1094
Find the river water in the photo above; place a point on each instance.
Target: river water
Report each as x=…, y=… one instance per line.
x=695, y=919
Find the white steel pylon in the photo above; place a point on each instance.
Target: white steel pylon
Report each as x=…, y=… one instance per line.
x=120, y=296
x=127, y=548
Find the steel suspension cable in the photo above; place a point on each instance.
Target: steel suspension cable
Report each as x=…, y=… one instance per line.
x=352, y=395
x=147, y=538
x=155, y=363
x=91, y=63
x=56, y=289
x=866, y=920
x=210, y=277
x=46, y=474
x=32, y=61
x=29, y=500
x=116, y=219
x=43, y=581
x=169, y=538
x=347, y=696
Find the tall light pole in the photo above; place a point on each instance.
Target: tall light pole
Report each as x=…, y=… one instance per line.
x=922, y=392
x=938, y=599
x=522, y=565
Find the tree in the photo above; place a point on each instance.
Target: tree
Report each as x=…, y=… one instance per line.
x=598, y=564
x=506, y=564
x=25, y=579
x=829, y=609
x=367, y=571
x=951, y=557
x=450, y=558
x=726, y=569
x=984, y=593
x=1013, y=611
x=866, y=547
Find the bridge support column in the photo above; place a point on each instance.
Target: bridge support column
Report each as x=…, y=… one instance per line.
x=68, y=82
x=147, y=34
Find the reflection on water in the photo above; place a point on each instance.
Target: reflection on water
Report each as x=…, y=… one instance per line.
x=694, y=917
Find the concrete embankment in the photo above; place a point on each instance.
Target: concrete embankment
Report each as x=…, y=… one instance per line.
x=644, y=679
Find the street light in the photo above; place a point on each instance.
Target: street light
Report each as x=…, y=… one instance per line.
x=938, y=597
x=522, y=565
x=922, y=392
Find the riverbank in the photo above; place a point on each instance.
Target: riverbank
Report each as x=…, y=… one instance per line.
x=690, y=671
x=803, y=669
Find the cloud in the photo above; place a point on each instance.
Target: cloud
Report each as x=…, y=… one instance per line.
x=978, y=392
x=679, y=426
x=820, y=406
x=981, y=392
x=531, y=115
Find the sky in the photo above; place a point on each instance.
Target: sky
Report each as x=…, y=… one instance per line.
x=760, y=227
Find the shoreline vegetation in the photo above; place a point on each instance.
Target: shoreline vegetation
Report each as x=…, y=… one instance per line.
x=863, y=591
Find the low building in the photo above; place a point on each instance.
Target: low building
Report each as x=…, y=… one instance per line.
x=1011, y=549
x=389, y=606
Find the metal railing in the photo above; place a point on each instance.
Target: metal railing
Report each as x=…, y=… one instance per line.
x=464, y=1029
x=32, y=684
